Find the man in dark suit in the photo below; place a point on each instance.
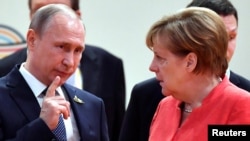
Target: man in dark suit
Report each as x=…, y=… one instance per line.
x=55, y=40
x=102, y=73
x=146, y=95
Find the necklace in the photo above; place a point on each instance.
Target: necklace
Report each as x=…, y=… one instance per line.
x=188, y=108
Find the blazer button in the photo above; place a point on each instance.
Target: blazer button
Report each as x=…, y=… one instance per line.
x=53, y=139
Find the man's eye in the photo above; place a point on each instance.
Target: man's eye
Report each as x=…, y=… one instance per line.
x=78, y=50
x=61, y=46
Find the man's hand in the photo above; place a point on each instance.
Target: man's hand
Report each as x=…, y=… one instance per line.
x=54, y=105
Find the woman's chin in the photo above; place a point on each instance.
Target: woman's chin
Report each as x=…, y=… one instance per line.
x=165, y=92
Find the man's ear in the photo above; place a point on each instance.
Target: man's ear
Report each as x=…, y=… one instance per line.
x=31, y=38
x=191, y=61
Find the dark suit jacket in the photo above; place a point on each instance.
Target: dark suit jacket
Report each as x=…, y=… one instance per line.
x=239, y=81
x=19, y=112
x=144, y=100
x=103, y=75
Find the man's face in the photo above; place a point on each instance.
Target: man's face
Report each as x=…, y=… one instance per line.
x=232, y=27
x=36, y=4
x=57, y=52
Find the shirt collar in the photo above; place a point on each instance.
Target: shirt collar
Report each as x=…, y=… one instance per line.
x=228, y=72
x=35, y=85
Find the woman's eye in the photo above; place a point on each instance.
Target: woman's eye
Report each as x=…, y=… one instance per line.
x=160, y=59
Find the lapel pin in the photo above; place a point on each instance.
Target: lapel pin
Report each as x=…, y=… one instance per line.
x=78, y=100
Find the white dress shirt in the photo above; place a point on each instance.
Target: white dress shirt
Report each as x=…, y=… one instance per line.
x=76, y=79
x=37, y=88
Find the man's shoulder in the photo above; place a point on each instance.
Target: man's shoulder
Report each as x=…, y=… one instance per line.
x=148, y=83
x=82, y=94
x=99, y=52
x=8, y=62
x=240, y=81
x=147, y=88
x=17, y=55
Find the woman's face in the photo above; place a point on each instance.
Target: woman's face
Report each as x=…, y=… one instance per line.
x=170, y=69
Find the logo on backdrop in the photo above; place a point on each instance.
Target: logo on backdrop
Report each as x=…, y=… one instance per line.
x=11, y=40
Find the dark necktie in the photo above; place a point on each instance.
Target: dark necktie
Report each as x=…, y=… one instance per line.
x=59, y=131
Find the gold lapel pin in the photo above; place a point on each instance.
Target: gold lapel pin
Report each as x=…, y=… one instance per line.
x=78, y=100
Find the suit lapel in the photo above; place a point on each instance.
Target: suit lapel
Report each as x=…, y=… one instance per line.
x=22, y=95
x=79, y=110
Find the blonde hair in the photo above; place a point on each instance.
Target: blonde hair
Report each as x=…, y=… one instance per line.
x=194, y=29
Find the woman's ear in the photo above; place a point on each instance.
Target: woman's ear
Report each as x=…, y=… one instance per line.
x=191, y=61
